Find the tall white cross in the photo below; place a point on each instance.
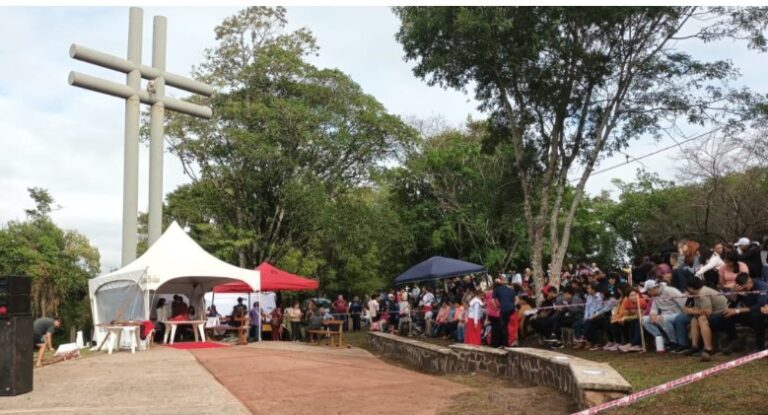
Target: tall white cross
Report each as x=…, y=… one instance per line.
x=134, y=95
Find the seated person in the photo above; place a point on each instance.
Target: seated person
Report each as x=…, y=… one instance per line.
x=315, y=322
x=751, y=299
x=212, y=312
x=544, y=320
x=381, y=324
x=442, y=320
x=707, y=303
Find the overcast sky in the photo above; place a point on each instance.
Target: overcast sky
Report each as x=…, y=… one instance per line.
x=70, y=140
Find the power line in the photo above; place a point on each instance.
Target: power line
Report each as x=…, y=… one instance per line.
x=653, y=153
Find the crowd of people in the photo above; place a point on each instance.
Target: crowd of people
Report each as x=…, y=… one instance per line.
x=678, y=299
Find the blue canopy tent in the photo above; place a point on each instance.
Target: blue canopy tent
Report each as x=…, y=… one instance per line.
x=436, y=268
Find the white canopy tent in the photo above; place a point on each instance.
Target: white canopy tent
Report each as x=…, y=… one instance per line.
x=174, y=264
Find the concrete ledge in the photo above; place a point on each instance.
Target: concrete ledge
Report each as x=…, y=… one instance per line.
x=589, y=383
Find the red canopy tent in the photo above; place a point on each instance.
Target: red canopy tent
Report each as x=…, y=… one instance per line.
x=272, y=279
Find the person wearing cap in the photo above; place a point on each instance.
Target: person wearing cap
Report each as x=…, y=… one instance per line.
x=749, y=254
x=666, y=308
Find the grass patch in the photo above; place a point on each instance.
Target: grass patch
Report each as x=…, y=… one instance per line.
x=742, y=390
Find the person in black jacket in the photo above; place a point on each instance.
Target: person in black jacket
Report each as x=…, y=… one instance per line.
x=749, y=254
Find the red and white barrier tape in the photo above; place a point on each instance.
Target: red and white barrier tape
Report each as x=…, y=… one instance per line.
x=695, y=377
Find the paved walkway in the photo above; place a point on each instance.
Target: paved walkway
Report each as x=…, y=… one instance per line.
x=159, y=381
x=288, y=378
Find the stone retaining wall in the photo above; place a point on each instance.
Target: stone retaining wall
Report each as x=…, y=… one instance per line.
x=589, y=383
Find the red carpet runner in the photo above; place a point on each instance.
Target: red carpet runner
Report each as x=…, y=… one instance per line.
x=196, y=345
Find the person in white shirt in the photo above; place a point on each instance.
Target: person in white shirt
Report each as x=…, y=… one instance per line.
x=517, y=278
x=475, y=317
x=373, y=307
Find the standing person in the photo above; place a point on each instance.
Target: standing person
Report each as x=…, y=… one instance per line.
x=415, y=295
x=474, y=328
x=494, y=318
x=393, y=310
x=460, y=318
x=42, y=330
x=505, y=301
x=404, y=317
x=355, y=309
x=373, y=308
x=276, y=323
x=255, y=316
x=340, y=309
x=294, y=317
x=238, y=311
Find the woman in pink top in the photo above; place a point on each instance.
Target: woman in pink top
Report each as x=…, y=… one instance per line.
x=730, y=269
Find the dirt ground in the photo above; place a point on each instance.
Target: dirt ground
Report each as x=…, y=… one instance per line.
x=286, y=378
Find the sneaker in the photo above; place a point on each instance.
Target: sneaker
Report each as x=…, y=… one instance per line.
x=609, y=346
x=614, y=348
x=693, y=352
x=595, y=347
x=706, y=356
x=632, y=349
x=682, y=350
x=624, y=347
x=550, y=339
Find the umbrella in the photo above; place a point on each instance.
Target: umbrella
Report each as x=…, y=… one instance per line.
x=436, y=268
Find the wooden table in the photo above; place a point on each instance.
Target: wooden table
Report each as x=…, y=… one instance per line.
x=198, y=326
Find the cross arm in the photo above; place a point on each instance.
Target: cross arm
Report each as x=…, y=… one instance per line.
x=123, y=91
x=108, y=61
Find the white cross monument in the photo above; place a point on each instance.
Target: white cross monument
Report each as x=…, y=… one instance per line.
x=133, y=94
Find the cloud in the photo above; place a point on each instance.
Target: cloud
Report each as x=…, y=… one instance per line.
x=70, y=140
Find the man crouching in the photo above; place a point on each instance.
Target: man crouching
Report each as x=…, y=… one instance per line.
x=43, y=329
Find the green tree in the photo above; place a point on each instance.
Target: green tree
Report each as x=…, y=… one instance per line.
x=459, y=201
x=569, y=85
x=59, y=261
x=288, y=143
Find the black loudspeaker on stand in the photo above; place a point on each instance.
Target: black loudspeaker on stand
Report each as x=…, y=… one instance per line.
x=16, y=341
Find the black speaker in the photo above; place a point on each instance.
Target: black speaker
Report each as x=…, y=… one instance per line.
x=15, y=296
x=16, y=344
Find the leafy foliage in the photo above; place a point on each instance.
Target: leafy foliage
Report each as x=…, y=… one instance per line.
x=568, y=85
x=59, y=261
